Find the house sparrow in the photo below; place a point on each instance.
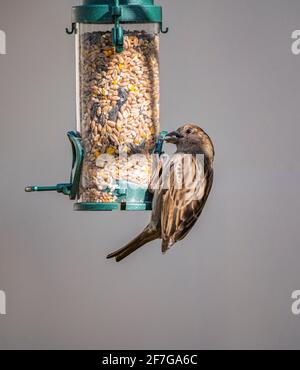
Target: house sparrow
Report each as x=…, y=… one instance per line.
x=177, y=208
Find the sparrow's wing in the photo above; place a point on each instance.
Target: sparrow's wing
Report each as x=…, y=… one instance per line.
x=182, y=205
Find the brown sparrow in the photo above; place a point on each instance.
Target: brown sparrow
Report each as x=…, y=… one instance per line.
x=181, y=186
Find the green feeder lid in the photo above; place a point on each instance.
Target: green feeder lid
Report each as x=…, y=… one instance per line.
x=127, y=11
x=117, y=12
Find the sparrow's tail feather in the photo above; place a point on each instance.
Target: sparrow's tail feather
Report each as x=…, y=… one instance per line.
x=145, y=237
x=166, y=245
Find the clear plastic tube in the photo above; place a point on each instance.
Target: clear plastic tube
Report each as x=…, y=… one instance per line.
x=117, y=108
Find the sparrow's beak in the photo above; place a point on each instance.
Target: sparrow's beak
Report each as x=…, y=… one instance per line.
x=173, y=137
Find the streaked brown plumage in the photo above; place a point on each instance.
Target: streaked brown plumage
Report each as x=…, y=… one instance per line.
x=176, y=209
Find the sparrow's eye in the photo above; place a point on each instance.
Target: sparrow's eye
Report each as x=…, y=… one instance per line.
x=189, y=131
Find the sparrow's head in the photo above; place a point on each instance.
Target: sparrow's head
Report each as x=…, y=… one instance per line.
x=191, y=139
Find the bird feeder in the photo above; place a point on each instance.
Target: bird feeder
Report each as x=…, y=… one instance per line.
x=118, y=128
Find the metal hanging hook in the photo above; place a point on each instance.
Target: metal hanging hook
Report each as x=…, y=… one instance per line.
x=166, y=30
x=73, y=29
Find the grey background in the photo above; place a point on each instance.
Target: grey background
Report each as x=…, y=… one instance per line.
x=226, y=65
